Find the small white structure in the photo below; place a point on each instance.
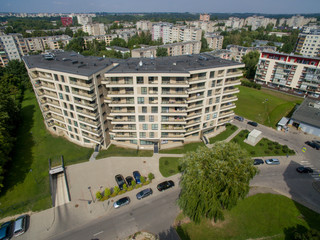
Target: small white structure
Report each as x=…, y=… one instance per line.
x=254, y=137
x=282, y=124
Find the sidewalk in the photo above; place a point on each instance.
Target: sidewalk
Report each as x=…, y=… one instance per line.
x=98, y=175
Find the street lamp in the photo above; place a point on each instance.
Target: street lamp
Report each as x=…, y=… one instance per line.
x=89, y=188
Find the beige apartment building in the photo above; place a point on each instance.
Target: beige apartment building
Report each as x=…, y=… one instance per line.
x=137, y=103
x=214, y=41
x=308, y=44
x=173, y=49
x=289, y=72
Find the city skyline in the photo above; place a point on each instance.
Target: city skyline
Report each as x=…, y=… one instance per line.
x=227, y=6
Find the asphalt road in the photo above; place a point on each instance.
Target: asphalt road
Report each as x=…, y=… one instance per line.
x=154, y=214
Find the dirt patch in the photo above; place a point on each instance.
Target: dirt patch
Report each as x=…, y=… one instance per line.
x=219, y=223
x=179, y=222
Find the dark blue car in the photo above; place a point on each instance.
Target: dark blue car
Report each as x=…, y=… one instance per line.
x=137, y=176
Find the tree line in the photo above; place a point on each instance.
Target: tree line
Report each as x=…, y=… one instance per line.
x=13, y=81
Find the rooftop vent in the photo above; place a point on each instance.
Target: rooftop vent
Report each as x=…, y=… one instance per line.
x=140, y=63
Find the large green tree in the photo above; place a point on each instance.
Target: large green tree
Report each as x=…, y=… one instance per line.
x=162, y=52
x=213, y=180
x=250, y=60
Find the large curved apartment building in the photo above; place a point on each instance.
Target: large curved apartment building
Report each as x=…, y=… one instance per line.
x=135, y=102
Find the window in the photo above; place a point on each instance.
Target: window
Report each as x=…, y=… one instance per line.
x=71, y=107
x=62, y=78
x=67, y=89
x=60, y=87
x=212, y=74
x=209, y=93
x=213, y=83
x=154, y=126
x=154, y=109
x=210, y=101
x=61, y=96
x=75, y=130
x=65, y=112
x=65, y=105
x=140, y=100
x=71, y=135
x=142, y=134
x=217, y=99
x=208, y=117
x=151, y=134
x=143, y=90
x=144, y=109
x=69, y=121
x=214, y=115
x=71, y=114
x=75, y=123
x=145, y=126
x=67, y=97
x=56, y=77
x=151, y=118
x=70, y=129
x=207, y=109
x=140, y=80
x=142, y=118
x=133, y=141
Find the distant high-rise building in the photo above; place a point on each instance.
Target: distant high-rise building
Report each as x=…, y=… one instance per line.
x=204, y=17
x=309, y=44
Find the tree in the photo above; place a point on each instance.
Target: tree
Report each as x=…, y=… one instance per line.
x=107, y=192
x=150, y=176
x=213, y=180
x=118, y=42
x=116, y=190
x=162, y=52
x=98, y=195
x=142, y=179
x=250, y=60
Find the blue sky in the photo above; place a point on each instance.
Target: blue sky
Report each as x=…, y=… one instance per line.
x=222, y=6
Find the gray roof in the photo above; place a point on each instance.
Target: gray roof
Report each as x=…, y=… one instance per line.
x=71, y=62
x=175, y=64
x=308, y=112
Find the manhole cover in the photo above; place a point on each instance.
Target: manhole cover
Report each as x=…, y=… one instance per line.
x=76, y=205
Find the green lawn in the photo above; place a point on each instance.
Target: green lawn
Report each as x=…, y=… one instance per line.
x=123, y=152
x=252, y=105
x=224, y=135
x=190, y=147
x=264, y=147
x=262, y=216
x=169, y=166
x=25, y=190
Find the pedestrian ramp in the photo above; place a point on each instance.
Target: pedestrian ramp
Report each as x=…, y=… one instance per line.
x=59, y=184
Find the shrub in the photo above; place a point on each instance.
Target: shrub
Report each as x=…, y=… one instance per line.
x=269, y=143
x=266, y=151
x=233, y=128
x=261, y=144
x=138, y=186
x=116, y=190
x=270, y=148
x=285, y=150
x=130, y=188
x=150, y=176
x=98, y=195
x=166, y=162
x=125, y=188
x=276, y=152
x=252, y=152
x=133, y=183
x=107, y=192
x=142, y=179
x=291, y=151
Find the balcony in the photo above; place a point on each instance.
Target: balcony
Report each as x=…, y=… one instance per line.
x=57, y=124
x=118, y=81
x=128, y=135
x=123, y=101
x=172, y=119
x=122, y=111
x=174, y=82
x=227, y=106
x=120, y=92
x=194, y=121
x=230, y=90
x=92, y=137
x=194, y=129
x=224, y=120
x=50, y=116
x=83, y=93
x=234, y=73
x=194, y=106
x=195, y=97
x=82, y=83
x=123, y=119
x=171, y=127
x=232, y=82
x=88, y=128
x=88, y=120
x=195, y=89
x=229, y=99
x=47, y=85
x=49, y=93
x=194, y=114
x=226, y=113
x=124, y=128
x=174, y=111
x=173, y=92
x=178, y=136
x=45, y=75
x=87, y=112
x=86, y=103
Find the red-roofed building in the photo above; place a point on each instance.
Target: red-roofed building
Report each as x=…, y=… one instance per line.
x=66, y=21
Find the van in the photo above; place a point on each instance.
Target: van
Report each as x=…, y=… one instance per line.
x=20, y=225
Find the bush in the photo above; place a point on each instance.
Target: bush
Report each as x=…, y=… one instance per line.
x=125, y=188
x=107, y=192
x=150, y=176
x=142, y=179
x=250, y=84
x=278, y=147
x=270, y=148
x=138, y=186
x=252, y=152
x=233, y=128
x=98, y=195
x=130, y=188
x=261, y=144
x=266, y=151
x=285, y=150
x=116, y=190
x=276, y=152
x=291, y=151
x=133, y=183
x=269, y=143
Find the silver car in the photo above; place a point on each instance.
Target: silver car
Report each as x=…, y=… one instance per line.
x=144, y=193
x=272, y=161
x=121, y=202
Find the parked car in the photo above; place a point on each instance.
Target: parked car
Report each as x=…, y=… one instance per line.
x=272, y=161
x=6, y=230
x=144, y=193
x=317, y=144
x=137, y=176
x=257, y=161
x=120, y=181
x=20, y=225
x=129, y=180
x=121, y=202
x=304, y=170
x=253, y=124
x=165, y=185
x=239, y=118
x=313, y=145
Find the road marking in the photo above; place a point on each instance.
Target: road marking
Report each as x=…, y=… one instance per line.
x=303, y=161
x=96, y=234
x=304, y=149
